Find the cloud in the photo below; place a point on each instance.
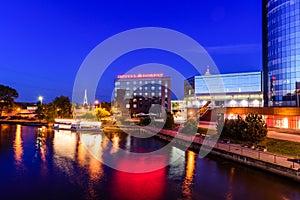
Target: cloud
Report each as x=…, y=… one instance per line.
x=230, y=49
x=233, y=49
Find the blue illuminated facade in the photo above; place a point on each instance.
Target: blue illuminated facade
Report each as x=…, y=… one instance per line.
x=236, y=90
x=281, y=52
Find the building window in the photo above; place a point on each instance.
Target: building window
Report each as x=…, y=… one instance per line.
x=127, y=105
x=153, y=88
x=134, y=105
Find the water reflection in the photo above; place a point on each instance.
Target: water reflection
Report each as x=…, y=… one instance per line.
x=115, y=143
x=229, y=195
x=74, y=173
x=90, y=152
x=18, y=148
x=189, y=175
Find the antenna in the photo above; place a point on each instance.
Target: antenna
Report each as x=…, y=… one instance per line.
x=85, y=101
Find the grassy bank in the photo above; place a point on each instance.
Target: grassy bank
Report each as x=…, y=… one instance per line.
x=282, y=147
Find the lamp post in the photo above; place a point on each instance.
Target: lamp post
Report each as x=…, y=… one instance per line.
x=96, y=103
x=40, y=98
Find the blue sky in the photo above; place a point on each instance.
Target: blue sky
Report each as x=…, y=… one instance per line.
x=43, y=43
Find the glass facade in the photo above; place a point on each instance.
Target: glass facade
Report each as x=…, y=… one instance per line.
x=281, y=21
x=237, y=90
x=233, y=83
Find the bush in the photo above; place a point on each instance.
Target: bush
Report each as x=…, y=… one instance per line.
x=170, y=124
x=190, y=127
x=145, y=121
x=251, y=129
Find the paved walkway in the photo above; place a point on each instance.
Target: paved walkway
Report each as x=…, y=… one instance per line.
x=276, y=133
x=234, y=148
x=283, y=136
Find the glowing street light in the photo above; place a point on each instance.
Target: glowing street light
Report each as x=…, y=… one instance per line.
x=40, y=99
x=96, y=103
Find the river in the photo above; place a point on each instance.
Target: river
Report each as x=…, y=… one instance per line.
x=63, y=166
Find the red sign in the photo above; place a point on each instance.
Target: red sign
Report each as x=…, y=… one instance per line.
x=141, y=75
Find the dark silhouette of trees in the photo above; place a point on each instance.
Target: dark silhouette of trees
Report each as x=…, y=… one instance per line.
x=251, y=129
x=7, y=97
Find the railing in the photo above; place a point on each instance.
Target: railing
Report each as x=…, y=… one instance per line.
x=233, y=148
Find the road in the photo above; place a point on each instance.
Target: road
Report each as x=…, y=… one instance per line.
x=272, y=132
x=283, y=136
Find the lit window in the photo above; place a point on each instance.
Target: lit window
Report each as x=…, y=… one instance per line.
x=153, y=88
x=152, y=94
x=134, y=105
x=127, y=105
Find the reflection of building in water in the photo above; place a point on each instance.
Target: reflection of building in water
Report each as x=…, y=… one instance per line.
x=115, y=143
x=189, y=175
x=18, y=148
x=230, y=188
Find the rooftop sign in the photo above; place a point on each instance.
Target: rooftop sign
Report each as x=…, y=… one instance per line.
x=141, y=76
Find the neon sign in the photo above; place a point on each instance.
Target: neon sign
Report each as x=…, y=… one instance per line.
x=141, y=76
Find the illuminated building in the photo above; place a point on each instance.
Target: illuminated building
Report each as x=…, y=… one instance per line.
x=238, y=90
x=136, y=93
x=281, y=52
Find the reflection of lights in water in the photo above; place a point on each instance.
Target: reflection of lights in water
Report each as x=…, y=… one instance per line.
x=64, y=147
x=229, y=193
x=148, y=185
x=189, y=175
x=64, y=144
x=115, y=143
x=92, y=142
x=18, y=148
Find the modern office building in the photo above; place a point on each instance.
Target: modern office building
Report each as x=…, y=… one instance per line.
x=281, y=52
x=136, y=93
x=224, y=90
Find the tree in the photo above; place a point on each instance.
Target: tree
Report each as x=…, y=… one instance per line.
x=145, y=121
x=256, y=129
x=60, y=107
x=7, y=97
x=190, y=127
x=251, y=129
x=101, y=113
x=63, y=107
x=169, y=124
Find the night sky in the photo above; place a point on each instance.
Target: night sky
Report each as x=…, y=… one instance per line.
x=43, y=43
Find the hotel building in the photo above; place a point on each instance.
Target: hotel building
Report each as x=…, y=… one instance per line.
x=136, y=93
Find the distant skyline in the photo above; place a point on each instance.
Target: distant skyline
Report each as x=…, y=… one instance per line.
x=44, y=43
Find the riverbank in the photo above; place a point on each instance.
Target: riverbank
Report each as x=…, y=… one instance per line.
x=27, y=122
x=266, y=161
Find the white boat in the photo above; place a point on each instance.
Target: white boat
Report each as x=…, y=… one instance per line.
x=76, y=124
x=64, y=124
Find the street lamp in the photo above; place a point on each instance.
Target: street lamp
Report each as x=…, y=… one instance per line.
x=41, y=99
x=96, y=103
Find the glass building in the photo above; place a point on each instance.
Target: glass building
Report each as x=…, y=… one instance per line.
x=281, y=52
x=238, y=90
